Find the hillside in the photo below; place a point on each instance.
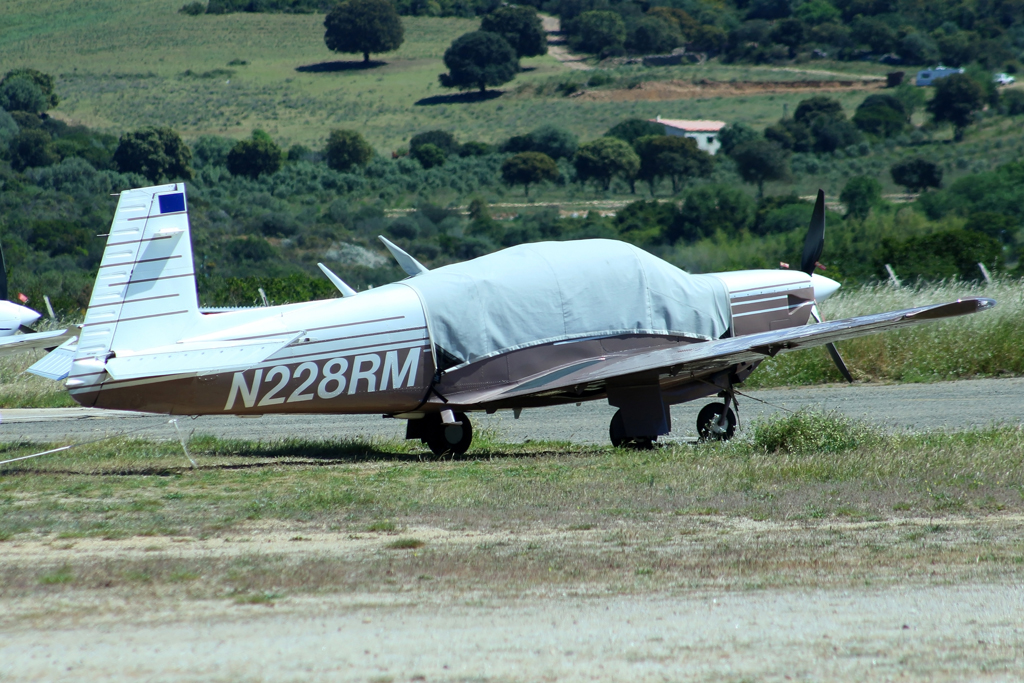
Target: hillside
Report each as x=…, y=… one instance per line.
x=216, y=78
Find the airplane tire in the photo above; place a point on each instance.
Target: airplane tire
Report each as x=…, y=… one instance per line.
x=450, y=439
x=707, y=423
x=617, y=433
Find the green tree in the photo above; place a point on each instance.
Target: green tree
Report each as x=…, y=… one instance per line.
x=255, y=156
x=346, y=149
x=520, y=27
x=605, y=158
x=31, y=148
x=713, y=208
x=916, y=174
x=429, y=155
x=528, y=168
x=45, y=83
x=940, y=255
x=861, y=194
x=21, y=94
x=668, y=156
x=441, y=139
x=956, y=99
x=479, y=59
x=652, y=35
x=758, y=161
x=881, y=115
x=556, y=142
x=598, y=32
x=735, y=134
x=632, y=130
x=819, y=105
x=156, y=153
x=364, y=26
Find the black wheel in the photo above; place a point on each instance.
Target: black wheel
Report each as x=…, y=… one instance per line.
x=709, y=426
x=450, y=439
x=617, y=433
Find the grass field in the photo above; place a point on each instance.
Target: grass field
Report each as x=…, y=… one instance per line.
x=123, y=65
x=809, y=500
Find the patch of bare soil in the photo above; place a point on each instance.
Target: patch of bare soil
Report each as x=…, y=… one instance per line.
x=657, y=91
x=688, y=597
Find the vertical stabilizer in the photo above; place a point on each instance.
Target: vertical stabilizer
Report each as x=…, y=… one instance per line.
x=145, y=292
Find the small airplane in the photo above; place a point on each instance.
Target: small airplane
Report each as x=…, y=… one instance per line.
x=13, y=317
x=533, y=325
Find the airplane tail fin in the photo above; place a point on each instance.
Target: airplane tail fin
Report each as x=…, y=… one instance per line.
x=145, y=292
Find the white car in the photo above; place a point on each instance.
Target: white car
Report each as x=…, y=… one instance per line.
x=1004, y=79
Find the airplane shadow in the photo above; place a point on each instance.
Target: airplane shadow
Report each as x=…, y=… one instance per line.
x=334, y=67
x=460, y=98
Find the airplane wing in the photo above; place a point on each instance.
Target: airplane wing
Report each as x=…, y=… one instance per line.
x=37, y=340
x=701, y=358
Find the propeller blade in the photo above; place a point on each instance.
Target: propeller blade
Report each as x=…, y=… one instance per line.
x=3, y=276
x=25, y=329
x=834, y=352
x=815, y=240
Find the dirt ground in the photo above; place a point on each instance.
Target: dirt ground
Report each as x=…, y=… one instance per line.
x=657, y=91
x=701, y=598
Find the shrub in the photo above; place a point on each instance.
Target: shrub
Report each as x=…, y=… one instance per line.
x=941, y=255
x=193, y=9
x=156, y=153
x=860, y=194
x=31, y=148
x=809, y=432
x=917, y=174
x=346, y=149
x=256, y=156
x=21, y=94
x=557, y=143
x=429, y=155
x=441, y=139
x=599, y=32
x=632, y=130
x=211, y=150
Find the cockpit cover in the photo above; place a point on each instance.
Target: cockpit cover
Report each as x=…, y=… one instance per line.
x=554, y=291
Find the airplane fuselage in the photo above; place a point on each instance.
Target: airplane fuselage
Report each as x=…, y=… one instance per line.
x=372, y=353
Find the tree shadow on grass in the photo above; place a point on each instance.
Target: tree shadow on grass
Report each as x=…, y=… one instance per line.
x=333, y=67
x=460, y=98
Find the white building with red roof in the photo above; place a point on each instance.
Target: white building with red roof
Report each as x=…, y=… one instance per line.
x=705, y=133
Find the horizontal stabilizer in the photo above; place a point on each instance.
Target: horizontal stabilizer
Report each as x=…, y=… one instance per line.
x=407, y=262
x=337, y=281
x=36, y=340
x=195, y=358
x=56, y=365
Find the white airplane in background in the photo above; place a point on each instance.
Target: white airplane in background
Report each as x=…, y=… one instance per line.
x=533, y=325
x=13, y=317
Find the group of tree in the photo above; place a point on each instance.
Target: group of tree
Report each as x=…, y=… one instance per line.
x=765, y=31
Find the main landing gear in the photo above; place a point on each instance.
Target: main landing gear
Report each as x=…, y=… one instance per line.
x=442, y=438
x=718, y=421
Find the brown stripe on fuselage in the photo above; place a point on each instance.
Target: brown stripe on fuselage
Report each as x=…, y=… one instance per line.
x=151, y=279
x=325, y=327
x=141, y=317
x=145, y=260
x=156, y=215
x=134, y=301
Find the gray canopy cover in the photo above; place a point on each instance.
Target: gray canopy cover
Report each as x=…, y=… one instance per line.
x=553, y=291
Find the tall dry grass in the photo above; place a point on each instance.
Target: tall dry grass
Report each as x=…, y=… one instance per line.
x=987, y=344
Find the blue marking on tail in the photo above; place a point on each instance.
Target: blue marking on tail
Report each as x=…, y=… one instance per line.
x=171, y=203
